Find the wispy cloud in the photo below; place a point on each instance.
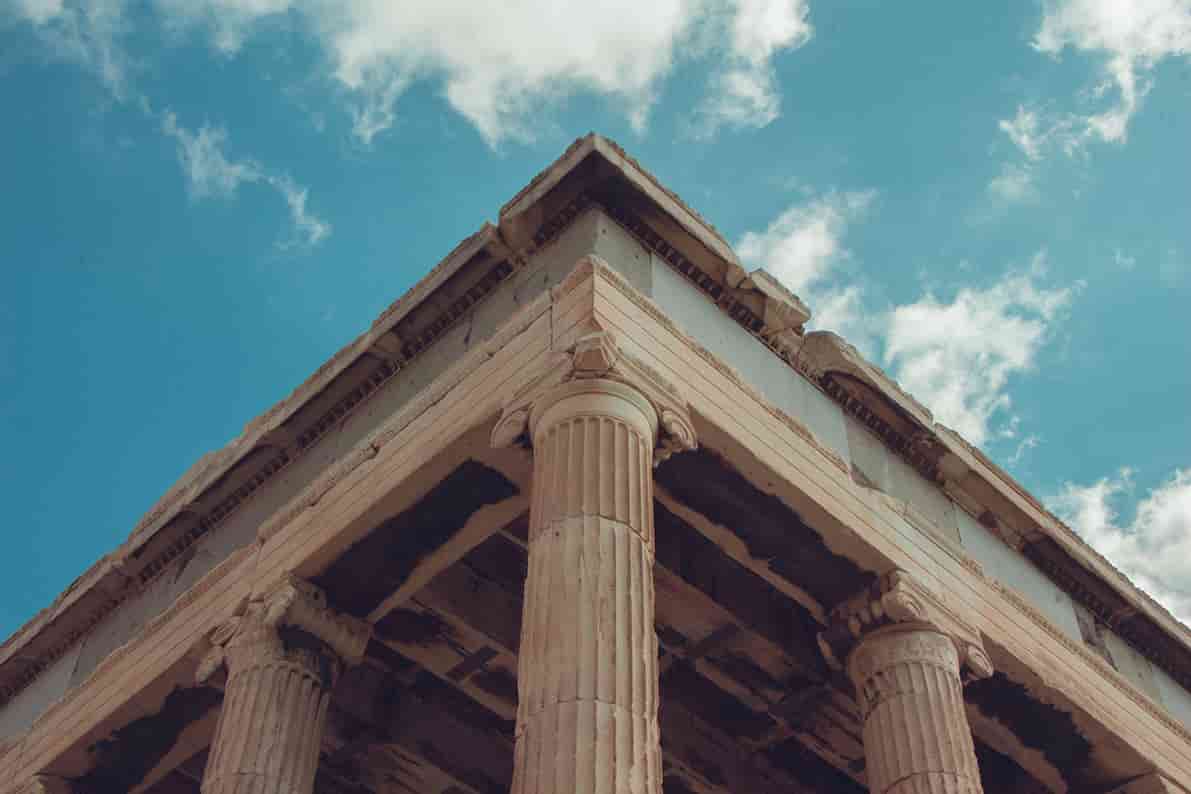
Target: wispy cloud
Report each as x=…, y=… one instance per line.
x=211, y=174
x=1131, y=38
x=1015, y=183
x=959, y=355
x=501, y=70
x=84, y=33
x=89, y=33
x=745, y=91
x=1153, y=548
x=804, y=247
x=1025, y=445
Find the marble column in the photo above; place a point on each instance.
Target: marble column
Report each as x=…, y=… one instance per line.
x=906, y=658
x=587, y=676
x=283, y=655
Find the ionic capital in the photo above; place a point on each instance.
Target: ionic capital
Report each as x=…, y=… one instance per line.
x=597, y=365
x=293, y=603
x=896, y=602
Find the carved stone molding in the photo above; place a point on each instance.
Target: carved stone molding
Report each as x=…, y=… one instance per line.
x=896, y=599
x=596, y=363
x=293, y=603
x=904, y=651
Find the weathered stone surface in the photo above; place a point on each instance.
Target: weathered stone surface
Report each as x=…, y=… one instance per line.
x=916, y=736
x=587, y=719
x=906, y=671
x=283, y=655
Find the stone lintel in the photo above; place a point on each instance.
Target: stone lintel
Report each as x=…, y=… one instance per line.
x=898, y=600
x=783, y=310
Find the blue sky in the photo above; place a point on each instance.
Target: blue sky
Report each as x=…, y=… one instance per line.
x=204, y=199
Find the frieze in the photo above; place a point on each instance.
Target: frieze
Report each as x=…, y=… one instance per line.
x=1092, y=658
x=642, y=302
x=146, y=636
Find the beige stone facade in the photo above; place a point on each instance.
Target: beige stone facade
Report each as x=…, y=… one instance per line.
x=589, y=510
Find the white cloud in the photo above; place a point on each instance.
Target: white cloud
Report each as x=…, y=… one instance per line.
x=88, y=33
x=1138, y=33
x=1154, y=548
x=85, y=33
x=1023, y=130
x=230, y=21
x=745, y=92
x=1123, y=261
x=1015, y=183
x=312, y=230
x=37, y=11
x=499, y=70
x=805, y=242
x=1132, y=37
x=958, y=356
x=804, y=249
x=208, y=171
x=1025, y=445
x=211, y=174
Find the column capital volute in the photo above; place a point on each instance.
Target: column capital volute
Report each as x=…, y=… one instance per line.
x=896, y=602
x=294, y=603
x=595, y=364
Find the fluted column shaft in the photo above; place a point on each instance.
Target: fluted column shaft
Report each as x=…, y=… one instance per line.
x=274, y=709
x=587, y=676
x=916, y=735
x=283, y=651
